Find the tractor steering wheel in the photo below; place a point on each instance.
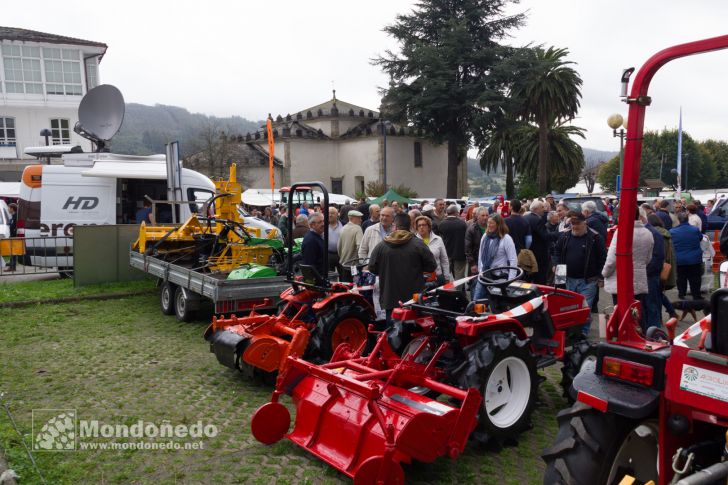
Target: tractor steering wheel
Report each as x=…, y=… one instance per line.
x=485, y=279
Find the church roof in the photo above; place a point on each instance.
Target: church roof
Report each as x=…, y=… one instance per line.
x=343, y=108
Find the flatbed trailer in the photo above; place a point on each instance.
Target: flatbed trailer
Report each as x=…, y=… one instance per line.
x=183, y=289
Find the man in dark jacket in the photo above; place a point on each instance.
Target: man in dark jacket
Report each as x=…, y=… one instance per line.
x=312, y=247
x=686, y=241
x=652, y=313
x=400, y=261
x=663, y=214
x=518, y=228
x=452, y=232
x=473, y=236
x=540, y=242
x=594, y=219
x=583, y=252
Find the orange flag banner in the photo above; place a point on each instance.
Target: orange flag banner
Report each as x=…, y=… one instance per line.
x=271, y=148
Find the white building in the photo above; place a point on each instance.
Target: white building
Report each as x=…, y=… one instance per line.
x=342, y=145
x=42, y=80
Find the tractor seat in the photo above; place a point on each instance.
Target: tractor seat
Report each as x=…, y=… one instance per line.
x=454, y=301
x=719, y=321
x=311, y=275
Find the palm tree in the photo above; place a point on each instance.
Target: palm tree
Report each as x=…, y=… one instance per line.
x=566, y=155
x=500, y=148
x=550, y=91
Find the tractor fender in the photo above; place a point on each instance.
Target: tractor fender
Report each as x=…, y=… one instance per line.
x=480, y=328
x=624, y=398
x=344, y=299
x=608, y=395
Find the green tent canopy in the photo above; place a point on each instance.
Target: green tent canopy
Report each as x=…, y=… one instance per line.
x=391, y=196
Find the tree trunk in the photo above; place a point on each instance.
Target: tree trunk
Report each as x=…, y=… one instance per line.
x=510, y=188
x=452, y=170
x=543, y=157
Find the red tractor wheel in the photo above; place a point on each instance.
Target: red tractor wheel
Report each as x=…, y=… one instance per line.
x=338, y=325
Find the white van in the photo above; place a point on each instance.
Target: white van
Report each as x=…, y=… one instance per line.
x=96, y=188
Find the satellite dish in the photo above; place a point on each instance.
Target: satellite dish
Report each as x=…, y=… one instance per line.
x=100, y=115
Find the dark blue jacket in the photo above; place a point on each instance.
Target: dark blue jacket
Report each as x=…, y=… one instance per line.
x=686, y=241
x=312, y=251
x=666, y=219
x=654, y=267
x=598, y=222
x=703, y=219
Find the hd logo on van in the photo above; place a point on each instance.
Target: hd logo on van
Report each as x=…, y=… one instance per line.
x=81, y=203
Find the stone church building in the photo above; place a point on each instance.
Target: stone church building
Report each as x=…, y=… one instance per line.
x=344, y=146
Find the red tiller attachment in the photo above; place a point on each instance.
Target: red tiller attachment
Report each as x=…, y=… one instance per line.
x=261, y=341
x=361, y=417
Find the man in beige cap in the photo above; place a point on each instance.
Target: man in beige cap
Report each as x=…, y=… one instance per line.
x=348, y=245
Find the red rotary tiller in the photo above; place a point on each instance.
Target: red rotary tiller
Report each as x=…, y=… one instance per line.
x=358, y=414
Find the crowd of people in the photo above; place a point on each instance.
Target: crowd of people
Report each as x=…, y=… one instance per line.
x=405, y=246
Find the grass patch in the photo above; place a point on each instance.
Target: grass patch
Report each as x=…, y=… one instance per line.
x=63, y=288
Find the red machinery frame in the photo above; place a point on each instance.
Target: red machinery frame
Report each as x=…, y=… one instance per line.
x=623, y=324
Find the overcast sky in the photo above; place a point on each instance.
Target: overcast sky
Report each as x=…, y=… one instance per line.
x=250, y=58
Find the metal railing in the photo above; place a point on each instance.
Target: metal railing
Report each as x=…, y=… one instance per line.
x=36, y=255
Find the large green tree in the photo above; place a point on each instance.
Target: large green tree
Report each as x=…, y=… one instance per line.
x=701, y=166
x=448, y=52
x=550, y=90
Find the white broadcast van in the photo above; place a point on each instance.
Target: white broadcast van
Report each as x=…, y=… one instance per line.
x=99, y=187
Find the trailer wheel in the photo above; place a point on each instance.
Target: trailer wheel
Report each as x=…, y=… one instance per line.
x=167, y=297
x=582, y=357
x=182, y=309
x=341, y=324
x=592, y=447
x=506, y=374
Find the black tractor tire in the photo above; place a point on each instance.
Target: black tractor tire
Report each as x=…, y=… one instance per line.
x=482, y=361
x=329, y=320
x=182, y=309
x=167, y=293
x=583, y=353
x=586, y=446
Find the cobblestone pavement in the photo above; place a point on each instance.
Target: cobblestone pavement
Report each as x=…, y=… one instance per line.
x=121, y=361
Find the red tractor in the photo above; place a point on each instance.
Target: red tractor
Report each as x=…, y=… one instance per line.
x=653, y=408
x=365, y=415
x=315, y=317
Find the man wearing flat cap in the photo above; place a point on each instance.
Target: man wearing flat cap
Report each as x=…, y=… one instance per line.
x=348, y=245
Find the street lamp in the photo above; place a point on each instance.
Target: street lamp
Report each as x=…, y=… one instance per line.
x=383, y=125
x=616, y=121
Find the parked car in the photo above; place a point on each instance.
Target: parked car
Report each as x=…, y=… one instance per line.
x=719, y=215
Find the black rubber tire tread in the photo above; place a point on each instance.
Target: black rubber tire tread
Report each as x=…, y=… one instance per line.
x=585, y=446
x=573, y=359
x=172, y=289
x=327, y=322
x=481, y=359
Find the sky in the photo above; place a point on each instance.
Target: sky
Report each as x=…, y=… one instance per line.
x=253, y=58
